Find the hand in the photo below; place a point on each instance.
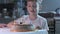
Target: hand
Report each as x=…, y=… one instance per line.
x=3, y=25
x=10, y=24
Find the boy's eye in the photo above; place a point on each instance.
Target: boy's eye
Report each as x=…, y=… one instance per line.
x=34, y=6
x=29, y=6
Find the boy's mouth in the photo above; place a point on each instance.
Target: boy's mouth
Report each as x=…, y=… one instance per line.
x=32, y=11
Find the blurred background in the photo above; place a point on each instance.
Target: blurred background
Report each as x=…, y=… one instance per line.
x=49, y=9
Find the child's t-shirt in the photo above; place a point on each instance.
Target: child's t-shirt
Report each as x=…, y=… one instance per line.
x=39, y=21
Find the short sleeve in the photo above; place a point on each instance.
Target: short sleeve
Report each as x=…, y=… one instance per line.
x=45, y=25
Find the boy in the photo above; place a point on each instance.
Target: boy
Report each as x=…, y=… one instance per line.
x=32, y=17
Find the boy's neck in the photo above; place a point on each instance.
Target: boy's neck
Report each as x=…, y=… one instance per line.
x=32, y=17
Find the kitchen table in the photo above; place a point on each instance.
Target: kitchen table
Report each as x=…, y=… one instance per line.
x=7, y=31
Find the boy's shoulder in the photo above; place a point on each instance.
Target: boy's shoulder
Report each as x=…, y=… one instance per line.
x=42, y=18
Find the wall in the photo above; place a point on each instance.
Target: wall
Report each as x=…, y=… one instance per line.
x=49, y=5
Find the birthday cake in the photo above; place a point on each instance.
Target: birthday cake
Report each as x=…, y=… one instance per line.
x=22, y=28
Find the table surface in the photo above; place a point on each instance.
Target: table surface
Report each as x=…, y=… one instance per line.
x=7, y=31
x=57, y=18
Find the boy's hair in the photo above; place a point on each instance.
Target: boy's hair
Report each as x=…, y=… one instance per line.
x=29, y=1
x=32, y=0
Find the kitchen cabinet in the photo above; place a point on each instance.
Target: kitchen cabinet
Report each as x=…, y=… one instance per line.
x=57, y=25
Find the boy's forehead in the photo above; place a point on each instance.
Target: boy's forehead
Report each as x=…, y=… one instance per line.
x=31, y=2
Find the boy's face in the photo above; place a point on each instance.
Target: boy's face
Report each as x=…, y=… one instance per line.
x=31, y=7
